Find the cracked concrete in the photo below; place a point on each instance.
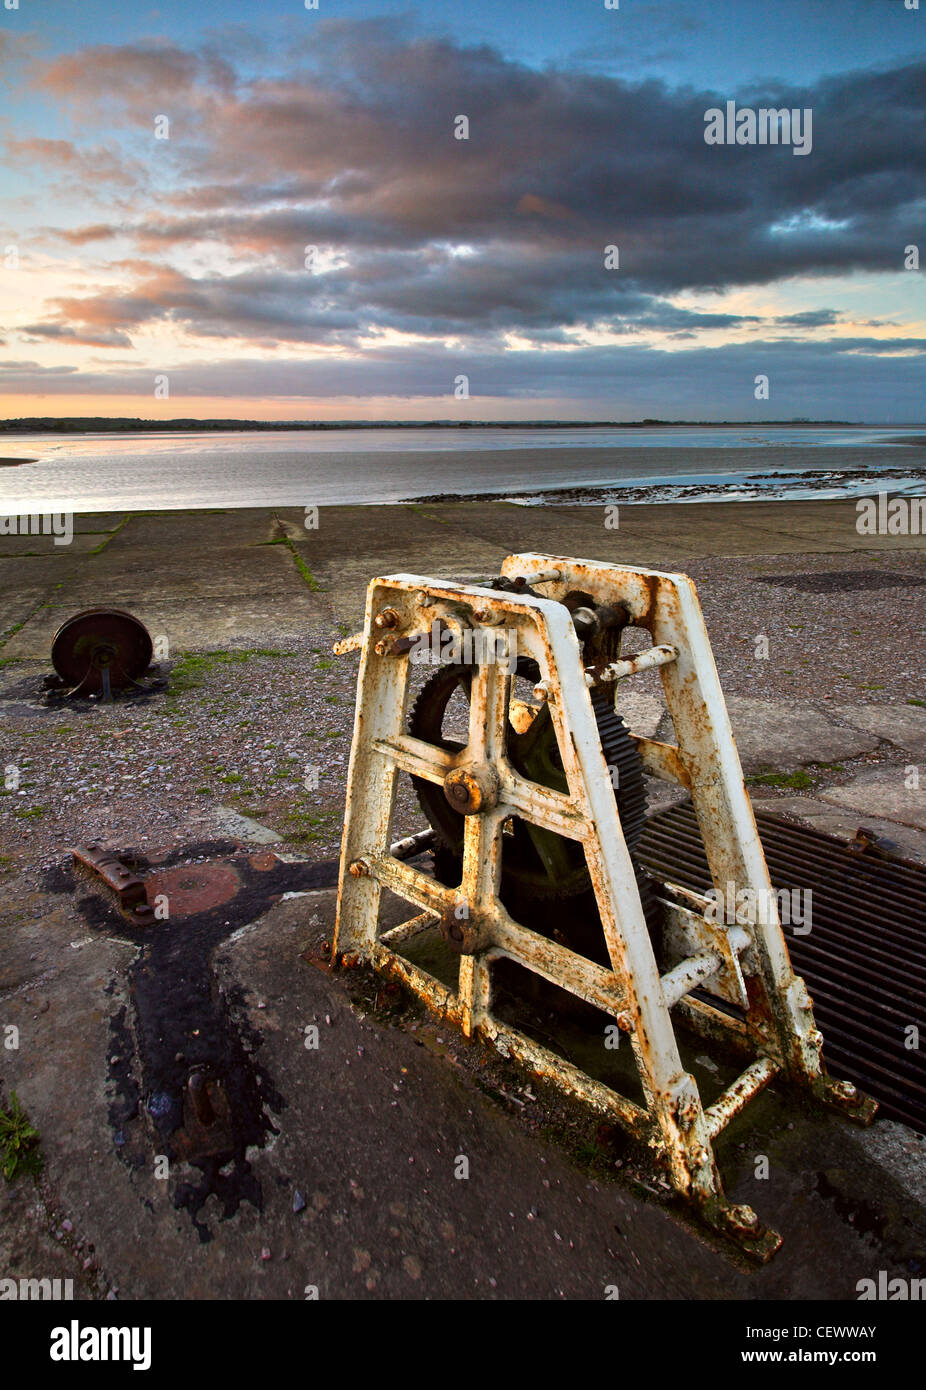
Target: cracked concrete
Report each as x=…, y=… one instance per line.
x=785, y=735
x=890, y=793
x=902, y=725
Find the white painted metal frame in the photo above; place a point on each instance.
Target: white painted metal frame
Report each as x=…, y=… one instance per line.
x=746, y=965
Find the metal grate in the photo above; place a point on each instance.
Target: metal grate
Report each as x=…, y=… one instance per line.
x=864, y=959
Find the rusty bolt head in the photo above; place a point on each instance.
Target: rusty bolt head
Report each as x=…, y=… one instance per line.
x=490, y=616
x=815, y=1038
x=542, y=692
x=423, y=599
x=389, y=617
x=688, y=1112
x=624, y=1021
x=381, y=648
x=742, y=1218
x=844, y=1089
x=465, y=935
x=358, y=869
x=454, y=932
x=471, y=790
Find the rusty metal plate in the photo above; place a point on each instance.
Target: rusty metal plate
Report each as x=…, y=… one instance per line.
x=101, y=863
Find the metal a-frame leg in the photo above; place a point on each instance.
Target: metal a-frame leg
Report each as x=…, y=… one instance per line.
x=779, y=1014
x=681, y=1130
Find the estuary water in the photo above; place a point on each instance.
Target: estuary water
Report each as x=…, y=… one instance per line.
x=295, y=468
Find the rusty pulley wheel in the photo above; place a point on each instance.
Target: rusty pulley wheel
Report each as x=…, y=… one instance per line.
x=100, y=650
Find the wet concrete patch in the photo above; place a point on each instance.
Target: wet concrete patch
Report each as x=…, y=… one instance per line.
x=184, y=1075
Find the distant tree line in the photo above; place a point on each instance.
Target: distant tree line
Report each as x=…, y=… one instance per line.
x=101, y=424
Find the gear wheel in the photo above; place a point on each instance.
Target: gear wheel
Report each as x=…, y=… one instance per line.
x=537, y=864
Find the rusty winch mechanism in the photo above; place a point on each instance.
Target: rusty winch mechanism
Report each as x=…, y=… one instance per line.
x=536, y=806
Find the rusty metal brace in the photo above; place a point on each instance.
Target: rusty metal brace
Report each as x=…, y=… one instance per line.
x=746, y=965
x=100, y=863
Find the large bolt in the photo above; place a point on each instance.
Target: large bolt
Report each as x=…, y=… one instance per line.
x=465, y=934
x=844, y=1089
x=358, y=869
x=471, y=790
x=585, y=621
x=389, y=617
x=687, y=1112
x=742, y=1218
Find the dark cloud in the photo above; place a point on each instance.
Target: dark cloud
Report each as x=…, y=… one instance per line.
x=809, y=318
x=38, y=332
x=559, y=157
x=840, y=380
x=349, y=147
x=429, y=293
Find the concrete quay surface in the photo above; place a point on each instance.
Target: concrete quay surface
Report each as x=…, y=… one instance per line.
x=351, y=1189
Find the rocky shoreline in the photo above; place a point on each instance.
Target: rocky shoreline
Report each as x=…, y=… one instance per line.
x=778, y=485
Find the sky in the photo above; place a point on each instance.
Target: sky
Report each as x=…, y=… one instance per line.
x=476, y=211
